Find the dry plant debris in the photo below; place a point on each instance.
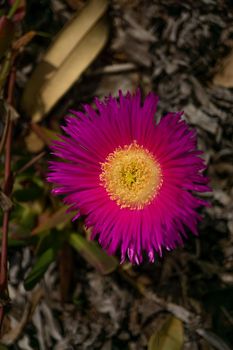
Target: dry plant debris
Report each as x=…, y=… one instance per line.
x=176, y=49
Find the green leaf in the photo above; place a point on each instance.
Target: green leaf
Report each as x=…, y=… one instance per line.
x=17, y=243
x=93, y=254
x=169, y=337
x=23, y=218
x=13, y=8
x=53, y=239
x=28, y=194
x=39, y=268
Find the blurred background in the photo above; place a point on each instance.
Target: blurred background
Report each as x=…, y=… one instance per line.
x=64, y=292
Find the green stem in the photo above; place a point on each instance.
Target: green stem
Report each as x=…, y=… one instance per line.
x=13, y=9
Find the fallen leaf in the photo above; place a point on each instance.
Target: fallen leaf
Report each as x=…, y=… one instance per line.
x=224, y=76
x=199, y=118
x=169, y=337
x=76, y=46
x=34, y=143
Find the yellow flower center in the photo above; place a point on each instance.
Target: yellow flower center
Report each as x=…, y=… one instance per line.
x=131, y=176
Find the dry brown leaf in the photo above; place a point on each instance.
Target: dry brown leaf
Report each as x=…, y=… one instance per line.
x=75, y=31
x=34, y=143
x=75, y=48
x=24, y=40
x=224, y=76
x=72, y=68
x=60, y=217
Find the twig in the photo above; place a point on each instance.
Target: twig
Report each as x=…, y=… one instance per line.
x=227, y=315
x=7, y=190
x=11, y=337
x=116, y=69
x=30, y=163
x=213, y=339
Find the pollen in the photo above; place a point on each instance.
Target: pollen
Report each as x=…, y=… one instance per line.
x=131, y=176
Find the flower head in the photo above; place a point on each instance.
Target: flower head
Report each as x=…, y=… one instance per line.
x=132, y=179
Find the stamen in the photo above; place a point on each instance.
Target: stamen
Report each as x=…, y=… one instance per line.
x=131, y=176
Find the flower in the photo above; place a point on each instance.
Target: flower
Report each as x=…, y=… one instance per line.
x=131, y=179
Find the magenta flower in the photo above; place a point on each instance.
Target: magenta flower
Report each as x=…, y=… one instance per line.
x=132, y=179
